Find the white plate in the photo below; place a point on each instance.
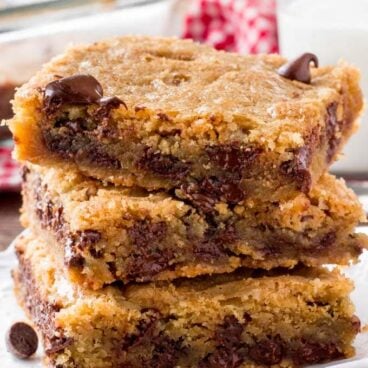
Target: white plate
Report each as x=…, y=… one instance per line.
x=10, y=312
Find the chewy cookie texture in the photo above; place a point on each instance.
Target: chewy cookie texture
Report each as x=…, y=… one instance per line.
x=104, y=233
x=248, y=319
x=172, y=114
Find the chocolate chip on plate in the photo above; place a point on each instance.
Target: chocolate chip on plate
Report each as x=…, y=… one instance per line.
x=21, y=340
x=299, y=68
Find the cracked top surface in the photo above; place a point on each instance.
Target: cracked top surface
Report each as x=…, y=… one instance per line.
x=189, y=81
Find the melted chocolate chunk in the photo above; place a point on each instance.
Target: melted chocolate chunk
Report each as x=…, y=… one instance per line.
x=224, y=358
x=232, y=158
x=75, y=90
x=299, y=68
x=267, y=352
x=230, y=352
x=333, y=127
x=51, y=218
x=145, y=233
x=146, y=258
x=166, y=352
x=207, y=192
x=43, y=313
x=229, y=333
x=78, y=89
x=298, y=168
x=167, y=166
x=144, y=265
x=75, y=242
x=212, y=246
x=106, y=105
x=314, y=353
x=21, y=340
x=96, y=155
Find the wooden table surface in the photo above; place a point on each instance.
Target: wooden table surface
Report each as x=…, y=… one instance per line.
x=9, y=218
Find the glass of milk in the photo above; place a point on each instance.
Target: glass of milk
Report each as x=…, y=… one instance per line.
x=331, y=29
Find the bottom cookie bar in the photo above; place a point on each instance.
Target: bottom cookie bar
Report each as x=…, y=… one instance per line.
x=243, y=319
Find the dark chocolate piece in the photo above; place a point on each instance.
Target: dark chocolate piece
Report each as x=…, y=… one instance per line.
x=78, y=89
x=21, y=340
x=299, y=68
x=267, y=352
x=207, y=192
x=166, y=352
x=146, y=258
x=167, y=166
x=230, y=352
x=314, y=353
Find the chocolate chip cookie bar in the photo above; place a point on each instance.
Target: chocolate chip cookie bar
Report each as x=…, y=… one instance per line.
x=245, y=319
x=171, y=114
x=105, y=233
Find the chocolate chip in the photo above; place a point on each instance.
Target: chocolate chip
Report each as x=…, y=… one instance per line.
x=167, y=166
x=106, y=105
x=21, y=340
x=207, y=192
x=78, y=89
x=75, y=90
x=266, y=352
x=299, y=68
x=313, y=353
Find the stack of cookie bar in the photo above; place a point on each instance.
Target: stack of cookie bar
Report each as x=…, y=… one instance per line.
x=179, y=209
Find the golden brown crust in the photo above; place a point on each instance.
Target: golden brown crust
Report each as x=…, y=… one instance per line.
x=183, y=322
x=104, y=233
x=210, y=98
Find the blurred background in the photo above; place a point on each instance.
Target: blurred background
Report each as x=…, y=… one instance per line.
x=33, y=31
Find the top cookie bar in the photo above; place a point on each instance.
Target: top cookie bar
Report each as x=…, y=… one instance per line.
x=169, y=113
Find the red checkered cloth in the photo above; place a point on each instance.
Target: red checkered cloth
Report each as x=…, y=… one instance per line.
x=10, y=179
x=243, y=26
